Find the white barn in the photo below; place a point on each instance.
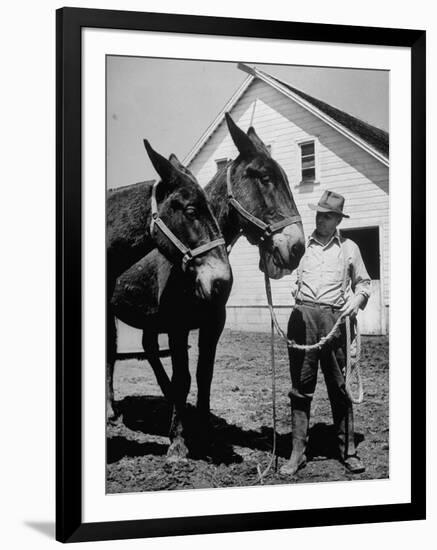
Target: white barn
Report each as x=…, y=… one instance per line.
x=319, y=147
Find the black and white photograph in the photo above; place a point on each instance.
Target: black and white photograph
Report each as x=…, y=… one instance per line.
x=247, y=274
x=218, y=274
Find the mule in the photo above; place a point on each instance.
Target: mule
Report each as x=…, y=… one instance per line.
x=174, y=216
x=251, y=197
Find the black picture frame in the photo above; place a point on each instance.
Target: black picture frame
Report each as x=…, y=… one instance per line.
x=69, y=524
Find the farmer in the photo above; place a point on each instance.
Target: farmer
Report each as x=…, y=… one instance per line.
x=331, y=281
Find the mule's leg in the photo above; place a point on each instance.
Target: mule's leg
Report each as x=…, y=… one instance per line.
x=111, y=342
x=209, y=335
x=181, y=380
x=151, y=348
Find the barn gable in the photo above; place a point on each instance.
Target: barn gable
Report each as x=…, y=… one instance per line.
x=370, y=138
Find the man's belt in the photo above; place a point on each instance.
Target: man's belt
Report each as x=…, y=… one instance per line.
x=314, y=303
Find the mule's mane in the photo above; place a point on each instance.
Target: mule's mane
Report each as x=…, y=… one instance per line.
x=122, y=188
x=217, y=196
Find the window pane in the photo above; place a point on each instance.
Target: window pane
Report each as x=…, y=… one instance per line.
x=309, y=175
x=308, y=163
x=307, y=149
x=221, y=163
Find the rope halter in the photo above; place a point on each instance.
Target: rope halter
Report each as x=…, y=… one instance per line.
x=266, y=230
x=188, y=254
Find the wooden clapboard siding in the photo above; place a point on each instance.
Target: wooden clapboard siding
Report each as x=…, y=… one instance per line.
x=343, y=166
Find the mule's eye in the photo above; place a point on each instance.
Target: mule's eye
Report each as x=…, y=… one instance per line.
x=252, y=173
x=191, y=212
x=176, y=204
x=265, y=179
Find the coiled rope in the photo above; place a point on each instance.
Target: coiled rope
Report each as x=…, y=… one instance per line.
x=352, y=366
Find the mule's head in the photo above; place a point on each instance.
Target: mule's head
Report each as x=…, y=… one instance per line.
x=183, y=207
x=261, y=186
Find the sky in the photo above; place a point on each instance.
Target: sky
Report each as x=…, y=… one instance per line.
x=172, y=102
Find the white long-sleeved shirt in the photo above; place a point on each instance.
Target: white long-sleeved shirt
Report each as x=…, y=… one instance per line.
x=327, y=273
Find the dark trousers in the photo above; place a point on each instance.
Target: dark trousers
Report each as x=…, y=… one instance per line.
x=307, y=325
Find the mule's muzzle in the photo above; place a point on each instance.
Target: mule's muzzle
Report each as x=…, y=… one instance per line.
x=213, y=280
x=215, y=290
x=287, y=258
x=288, y=247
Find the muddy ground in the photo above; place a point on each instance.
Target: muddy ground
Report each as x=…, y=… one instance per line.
x=241, y=405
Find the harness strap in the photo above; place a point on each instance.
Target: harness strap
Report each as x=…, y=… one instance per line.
x=193, y=253
x=157, y=222
x=188, y=254
x=299, y=278
x=345, y=281
x=247, y=215
x=153, y=205
x=267, y=229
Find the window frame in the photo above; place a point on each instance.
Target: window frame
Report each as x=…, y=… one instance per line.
x=299, y=144
x=220, y=160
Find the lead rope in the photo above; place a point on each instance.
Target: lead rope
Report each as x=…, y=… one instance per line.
x=273, y=456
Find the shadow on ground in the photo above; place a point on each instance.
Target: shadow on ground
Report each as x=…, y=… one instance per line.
x=322, y=441
x=151, y=415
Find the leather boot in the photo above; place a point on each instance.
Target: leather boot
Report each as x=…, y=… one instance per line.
x=299, y=434
x=346, y=441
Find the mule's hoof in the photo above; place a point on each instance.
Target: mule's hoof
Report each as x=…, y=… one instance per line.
x=291, y=467
x=177, y=452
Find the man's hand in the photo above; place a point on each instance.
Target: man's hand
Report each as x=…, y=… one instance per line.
x=352, y=306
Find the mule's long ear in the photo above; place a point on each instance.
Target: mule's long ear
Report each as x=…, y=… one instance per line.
x=257, y=141
x=164, y=167
x=179, y=166
x=176, y=162
x=242, y=141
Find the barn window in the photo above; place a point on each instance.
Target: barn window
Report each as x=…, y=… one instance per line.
x=308, y=164
x=221, y=163
x=307, y=161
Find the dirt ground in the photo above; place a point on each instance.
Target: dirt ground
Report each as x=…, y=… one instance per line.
x=241, y=406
